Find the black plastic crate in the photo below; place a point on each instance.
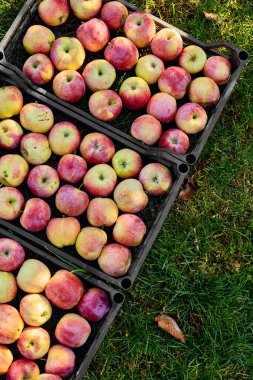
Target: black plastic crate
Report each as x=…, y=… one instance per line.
x=13, y=55
x=84, y=354
x=153, y=215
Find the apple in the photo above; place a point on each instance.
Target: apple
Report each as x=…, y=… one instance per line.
x=175, y=81
x=93, y=34
x=191, y=118
x=135, y=93
x=54, y=12
x=85, y=9
x=115, y=260
x=35, y=148
x=204, y=91
x=36, y=117
x=99, y=75
x=72, y=330
x=23, y=369
x=97, y=148
x=11, y=101
x=100, y=180
x=156, y=179
x=90, y=242
x=11, y=324
x=94, y=305
x=163, y=107
x=129, y=230
x=114, y=14
x=218, y=69
x=127, y=163
x=67, y=53
x=105, y=105
x=192, y=59
x=71, y=201
x=149, y=68
x=38, y=39
x=147, y=129
x=35, y=309
x=33, y=276
x=8, y=287
x=36, y=215
x=121, y=53
x=64, y=290
x=39, y=69
x=11, y=203
x=167, y=44
x=69, y=85
x=60, y=360
x=64, y=138
x=10, y=134
x=48, y=376
x=33, y=343
x=176, y=140
x=12, y=255
x=6, y=358
x=43, y=181
x=62, y=232
x=130, y=196
x=102, y=212
x=13, y=170
x=140, y=28
x=71, y=168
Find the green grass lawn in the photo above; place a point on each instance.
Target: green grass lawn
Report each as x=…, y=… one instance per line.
x=200, y=269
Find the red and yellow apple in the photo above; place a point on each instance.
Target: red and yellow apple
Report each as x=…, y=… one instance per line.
x=6, y=358
x=67, y=53
x=218, y=69
x=36, y=215
x=105, y=105
x=35, y=309
x=204, y=91
x=33, y=343
x=100, y=180
x=135, y=93
x=62, y=232
x=10, y=134
x=23, y=369
x=71, y=168
x=192, y=59
x=35, y=148
x=147, y=129
x=129, y=230
x=71, y=201
x=43, y=181
x=99, y=75
x=60, y=361
x=156, y=178
x=115, y=260
x=13, y=170
x=93, y=34
x=121, y=53
x=149, y=68
x=64, y=138
x=85, y=9
x=12, y=255
x=54, y=12
x=175, y=140
x=11, y=324
x=72, y=330
x=130, y=196
x=127, y=163
x=114, y=14
x=191, y=118
x=39, y=69
x=11, y=101
x=38, y=39
x=33, y=276
x=36, y=117
x=8, y=286
x=140, y=28
x=11, y=203
x=167, y=44
x=69, y=86
x=174, y=81
x=163, y=107
x=102, y=212
x=90, y=242
x=97, y=148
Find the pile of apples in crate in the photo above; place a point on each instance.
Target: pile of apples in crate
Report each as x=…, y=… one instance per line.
x=137, y=31
x=112, y=181
x=36, y=295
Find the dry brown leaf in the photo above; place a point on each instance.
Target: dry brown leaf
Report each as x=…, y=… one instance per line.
x=236, y=266
x=213, y=17
x=188, y=192
x=170, y=325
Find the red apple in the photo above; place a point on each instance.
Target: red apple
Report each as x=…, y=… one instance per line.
x=147, y=129
x=99, y=75
x=218, y=69
x=72, y=330
x=121, y=53
x=176, y=140
x=69, y=85
x=94, y=304
x=175, y=81
x=127, y=163
x=129, y=230
x=163, y=107
x=12, y=255
x=60, y=361
x=39, y=69
x=140, y=28
x=204, y=91
x=105, y=105
x=54, y=12
x=115, y=260
x=191, y=118
x=71, y=201
x=38, y=39
x=135, y=93
x=10, y=134
x=156, y=179
x=114, y=14
x=93, y=34
x=43, y=181
x=23, y=369
x=67, y=53
x=64, y=138
x=97, y=148
x=100, y=180
x=11, y=203
x=192, y=59
x=71, y=168
x=167, y=44
x=36, y=215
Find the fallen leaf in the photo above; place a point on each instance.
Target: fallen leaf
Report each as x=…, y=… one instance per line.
x=188, y=192
x=170, y=325
x=236, y=266
x=213, y=17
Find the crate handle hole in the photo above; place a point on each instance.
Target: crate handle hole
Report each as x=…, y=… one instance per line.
x=183, y=168
x=243, y=55
x=126, y=283
x=118, y=298
x=190, y=158
x=1, y=55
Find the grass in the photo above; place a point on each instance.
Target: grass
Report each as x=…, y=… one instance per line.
x=200, y=269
